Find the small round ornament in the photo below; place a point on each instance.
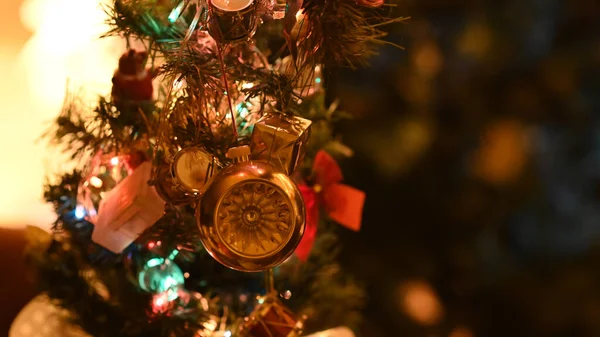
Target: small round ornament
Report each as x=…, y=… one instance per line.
x=159, y=275
x=181, y=180
x=192, y=167
x=103, y=174
x=166, y=187
x=251, y=217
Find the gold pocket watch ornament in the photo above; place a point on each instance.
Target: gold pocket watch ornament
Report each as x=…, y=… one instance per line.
x=251, y=217
x=192, y=167
x=181, y=180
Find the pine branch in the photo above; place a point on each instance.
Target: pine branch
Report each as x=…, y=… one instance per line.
x=341, y=33
x=142, y=20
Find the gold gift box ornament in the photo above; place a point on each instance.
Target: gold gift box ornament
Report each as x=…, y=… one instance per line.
x=280, y=140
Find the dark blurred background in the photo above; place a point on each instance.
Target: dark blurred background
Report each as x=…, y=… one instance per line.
x=479, y=150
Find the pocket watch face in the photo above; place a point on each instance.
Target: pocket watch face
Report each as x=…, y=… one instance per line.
x=254, y=219
x=251, y=218
x=192, y=167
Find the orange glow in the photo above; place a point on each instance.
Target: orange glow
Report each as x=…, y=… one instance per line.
x=503, y=153
x=475, y=40
x=461, y=332
x=428, y=59
x=410, y=141
x=420, y=302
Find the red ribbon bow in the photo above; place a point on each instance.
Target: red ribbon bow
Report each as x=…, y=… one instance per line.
x=344, y=204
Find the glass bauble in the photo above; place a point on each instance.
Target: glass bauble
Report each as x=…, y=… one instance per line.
x=103, y=173
x=160, y=275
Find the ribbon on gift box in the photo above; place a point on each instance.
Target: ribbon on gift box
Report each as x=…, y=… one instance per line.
x=343, y=204
x=280, y=140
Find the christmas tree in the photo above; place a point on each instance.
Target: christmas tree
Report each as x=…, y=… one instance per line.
x=206, y=195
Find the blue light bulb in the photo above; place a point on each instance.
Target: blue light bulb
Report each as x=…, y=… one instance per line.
x=79, y=212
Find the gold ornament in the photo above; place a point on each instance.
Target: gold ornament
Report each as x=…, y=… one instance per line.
x=182, y=180
x=280, y=140
x=192, y=167
x=166, y=187
x=232, y=20
x=272, y=319
x=251, y=217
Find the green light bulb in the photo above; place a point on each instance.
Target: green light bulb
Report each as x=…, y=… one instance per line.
x=176, y=12
x=160, y=275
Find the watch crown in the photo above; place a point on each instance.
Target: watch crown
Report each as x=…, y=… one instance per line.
x=239, y=153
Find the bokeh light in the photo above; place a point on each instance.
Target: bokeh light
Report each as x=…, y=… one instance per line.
x=418, y=300
x=503, y=152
